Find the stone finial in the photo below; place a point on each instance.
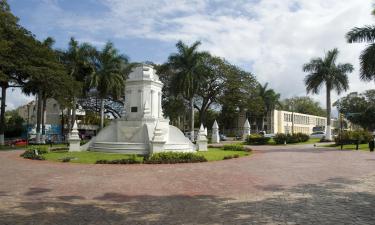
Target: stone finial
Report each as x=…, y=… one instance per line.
x=74, y=140
x=201, y=140
x=158, y=134
x=205, y=131
x=215, y=138
x=201, y=134
x=247, y=124
x=146, y=110
x=246, y=129
x=215, y=126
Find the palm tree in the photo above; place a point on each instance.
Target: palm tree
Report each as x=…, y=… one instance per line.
x=270, y=100
x=77, y=61
x=367, y=58
x=326, y=72
x=186, y=65
x=109, y=75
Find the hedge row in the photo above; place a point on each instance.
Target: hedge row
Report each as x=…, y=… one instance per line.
x=35, y=152
x=174, y=157
x=350, y=137
x=257, y=139
x=290, y=138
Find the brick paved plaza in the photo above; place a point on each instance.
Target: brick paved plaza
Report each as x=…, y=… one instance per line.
x=293, y=185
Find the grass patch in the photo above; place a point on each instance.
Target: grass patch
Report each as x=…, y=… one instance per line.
x=362, y=147
x=216, y=154
x=310, y=141
x=87, y=157
x=213, y=154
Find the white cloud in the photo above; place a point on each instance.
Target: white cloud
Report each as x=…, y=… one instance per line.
x=272, y=37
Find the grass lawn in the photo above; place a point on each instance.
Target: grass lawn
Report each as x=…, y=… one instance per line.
x=310, y=141
x=213, y=154
x=363, y=147
x=86, y=157
x=216, y=154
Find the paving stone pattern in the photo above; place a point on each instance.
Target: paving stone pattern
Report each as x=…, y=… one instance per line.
x=276, y=185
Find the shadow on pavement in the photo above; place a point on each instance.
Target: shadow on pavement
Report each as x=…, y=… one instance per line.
x=336, y=201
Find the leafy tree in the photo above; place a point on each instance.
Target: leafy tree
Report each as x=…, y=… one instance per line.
x=325, y=71
x=186, y=65
x=108, y=76
x=77, y=62
x=14, y=124
x=305, y=105
x=270, y=99
x=239, y=95
x=358, y=108
x=367, y=58
x=15, y=45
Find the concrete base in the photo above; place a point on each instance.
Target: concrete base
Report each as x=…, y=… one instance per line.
x=74, y=145
x=328, y=135
x=157, y=146
x=202, y=145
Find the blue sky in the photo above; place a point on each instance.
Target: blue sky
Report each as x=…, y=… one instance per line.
x=271, y=38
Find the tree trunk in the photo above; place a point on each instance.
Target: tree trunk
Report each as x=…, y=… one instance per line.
x=192, y=119
x=4, y=87
x=44, y=109
x=102, y=113
x=74, y=112
x=38, y=116
x=328, y=128
x=62, y=124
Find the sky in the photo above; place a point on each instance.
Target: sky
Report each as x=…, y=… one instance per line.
x=270, y=38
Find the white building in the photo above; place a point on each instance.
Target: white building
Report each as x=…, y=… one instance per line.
x=288, y=122
x=279, y=121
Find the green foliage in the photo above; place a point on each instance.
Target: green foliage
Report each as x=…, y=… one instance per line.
x=42, y=149
x=14, y=124
x=305, y=105
x=234, y=147
x=281, y=138
x=350, y=137
x=358, y=108
x=30, y=154
x=257, y=139
x=174, y=157
x=325, y=71
x=231, y=156
x=131, y=160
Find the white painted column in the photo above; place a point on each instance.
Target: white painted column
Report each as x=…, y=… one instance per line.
x=152, y=103
x=159, y=104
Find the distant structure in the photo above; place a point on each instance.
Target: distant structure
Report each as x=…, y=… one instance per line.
x=142, y=129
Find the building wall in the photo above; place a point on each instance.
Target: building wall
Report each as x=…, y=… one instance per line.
x=285, y=121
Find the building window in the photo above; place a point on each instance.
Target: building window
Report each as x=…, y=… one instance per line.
x=134, y=109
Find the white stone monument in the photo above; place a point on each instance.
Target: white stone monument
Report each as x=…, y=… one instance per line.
x=246, y=130
x=142, y=129
x=205, y=131
x=201, y=140
x=74, y=140
x=215, y=138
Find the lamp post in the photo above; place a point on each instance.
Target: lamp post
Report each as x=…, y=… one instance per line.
x=28, y=123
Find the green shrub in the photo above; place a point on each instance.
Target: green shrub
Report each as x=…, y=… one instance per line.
x=66, y=159
x=290, y=138
x=60, y=149
x=131, y=160
x=174, y=157
x=227, y=157
x=350, y=137
x=257, y=139
x=234, y=147
x=30, y=154
x=42, y=149
x=280, y=138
